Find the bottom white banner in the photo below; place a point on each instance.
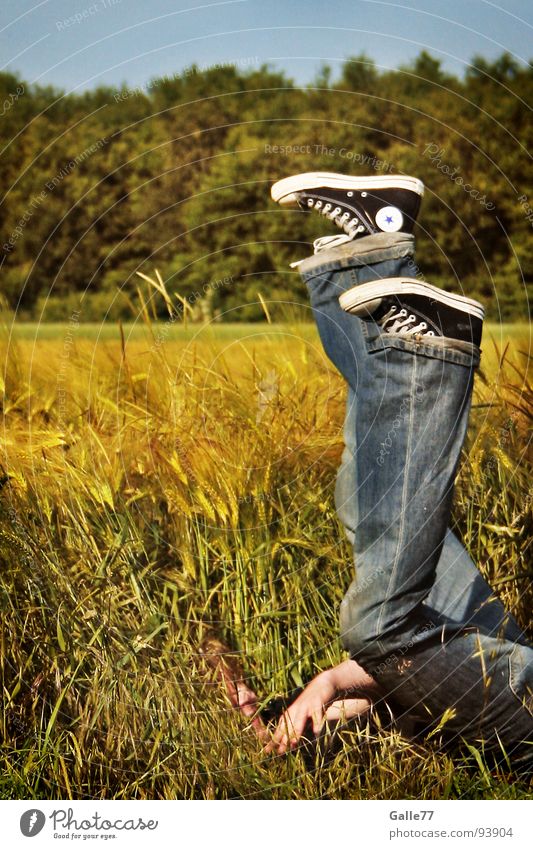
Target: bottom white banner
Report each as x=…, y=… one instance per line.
x=266, y=824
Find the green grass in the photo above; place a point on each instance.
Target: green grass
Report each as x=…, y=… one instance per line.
x=155, y=492
x=499, y=333
x=173, y=332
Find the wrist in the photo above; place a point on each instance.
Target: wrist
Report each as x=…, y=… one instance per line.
x=329, y=680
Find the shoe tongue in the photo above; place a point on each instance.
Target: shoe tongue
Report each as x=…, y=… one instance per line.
x=418, y=306
x=413, y=305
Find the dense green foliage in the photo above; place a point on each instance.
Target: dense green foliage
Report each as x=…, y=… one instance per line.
x=99, y=184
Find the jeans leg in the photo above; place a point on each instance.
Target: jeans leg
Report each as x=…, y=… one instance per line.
x=478, y=687
x=370, y=258
x=459, y=595
x=408, y=407
x=404, y=466
x=405, y=471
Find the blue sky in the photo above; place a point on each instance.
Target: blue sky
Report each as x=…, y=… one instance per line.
x=77, y=44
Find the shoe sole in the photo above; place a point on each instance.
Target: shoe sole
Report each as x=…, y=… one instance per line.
x=285, y=191
x=366, y=292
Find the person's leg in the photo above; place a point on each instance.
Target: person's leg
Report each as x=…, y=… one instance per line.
x=459, y=595
x=411, y=409
x=394, y=393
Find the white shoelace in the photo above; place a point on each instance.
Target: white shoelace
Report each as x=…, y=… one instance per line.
x=352, y=227
x=402, y=322
x=325, y=242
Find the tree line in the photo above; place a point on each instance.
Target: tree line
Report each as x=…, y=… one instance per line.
x=175, y=176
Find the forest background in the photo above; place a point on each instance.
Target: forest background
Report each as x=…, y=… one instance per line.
x=175, y=175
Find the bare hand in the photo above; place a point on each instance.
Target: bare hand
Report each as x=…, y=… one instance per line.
x=309, y=706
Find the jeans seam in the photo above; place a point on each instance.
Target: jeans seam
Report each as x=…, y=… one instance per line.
x=403, y=504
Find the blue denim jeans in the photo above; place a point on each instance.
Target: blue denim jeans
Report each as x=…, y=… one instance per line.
x=418, y=616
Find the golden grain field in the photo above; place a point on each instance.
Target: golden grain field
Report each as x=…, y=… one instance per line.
x=170, y=482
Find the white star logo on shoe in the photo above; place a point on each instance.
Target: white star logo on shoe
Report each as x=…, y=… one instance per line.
x=389, y=219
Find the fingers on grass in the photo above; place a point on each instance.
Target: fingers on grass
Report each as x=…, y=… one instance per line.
x=283, y=733
x=289, y=732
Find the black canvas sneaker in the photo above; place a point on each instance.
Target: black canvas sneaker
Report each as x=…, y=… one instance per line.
x=359, y=206
x=410, y=307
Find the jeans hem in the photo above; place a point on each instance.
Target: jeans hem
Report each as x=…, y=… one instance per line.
x=441, y=347
x=360, y=252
